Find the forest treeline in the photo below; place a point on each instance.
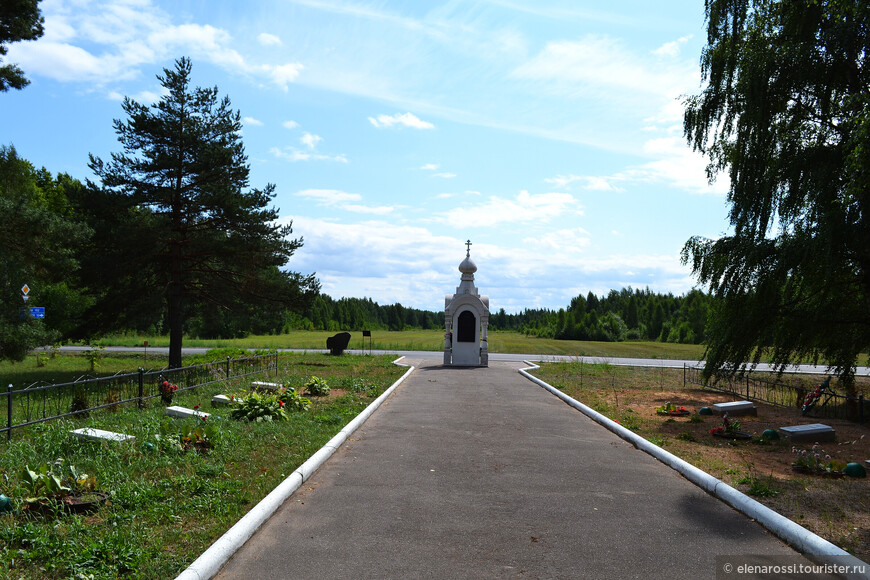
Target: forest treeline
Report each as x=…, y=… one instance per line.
x=627, y=314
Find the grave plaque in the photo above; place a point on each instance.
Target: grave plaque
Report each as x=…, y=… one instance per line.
x=184, y=412
x=100, y=435
x=815, y=433
x=736, y=408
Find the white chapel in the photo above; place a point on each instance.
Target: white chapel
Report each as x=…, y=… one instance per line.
x=466, y=318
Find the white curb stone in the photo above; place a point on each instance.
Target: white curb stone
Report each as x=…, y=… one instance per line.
x=796, y=536
x=213, y=559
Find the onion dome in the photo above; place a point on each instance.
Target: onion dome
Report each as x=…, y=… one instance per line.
x=468, y=266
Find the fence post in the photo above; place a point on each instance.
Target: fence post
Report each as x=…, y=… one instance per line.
x=141, y=387
x=747, y=387
x=9, y=412
x=228, y=368
x=684, y=375
x=860, y=408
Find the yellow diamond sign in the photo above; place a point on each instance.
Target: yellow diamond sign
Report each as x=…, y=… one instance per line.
x=25, y=289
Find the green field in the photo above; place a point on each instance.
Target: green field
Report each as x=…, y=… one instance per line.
x=56, y=367
x=499, y=342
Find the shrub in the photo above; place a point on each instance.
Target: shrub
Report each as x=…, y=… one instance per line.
x=258, y=407
x=293, y=401
x=317, y=387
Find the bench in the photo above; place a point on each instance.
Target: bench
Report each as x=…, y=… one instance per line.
x=336, y=344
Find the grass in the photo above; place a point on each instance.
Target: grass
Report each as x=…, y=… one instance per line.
x=167, y=505
x=499, y=342
x=69, y=366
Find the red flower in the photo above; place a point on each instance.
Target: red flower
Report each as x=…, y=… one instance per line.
x=280, y=404
x=203, y=417
x=195, y=407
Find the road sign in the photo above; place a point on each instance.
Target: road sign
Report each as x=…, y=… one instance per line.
x=33, y=311
x=25, y=289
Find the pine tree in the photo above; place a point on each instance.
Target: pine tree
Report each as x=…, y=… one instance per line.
x=214, y=239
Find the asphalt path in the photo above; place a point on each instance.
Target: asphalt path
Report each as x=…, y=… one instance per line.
x=479, y=473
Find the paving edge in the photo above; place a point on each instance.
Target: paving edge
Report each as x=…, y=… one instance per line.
x=785, y=529
x=219, y=553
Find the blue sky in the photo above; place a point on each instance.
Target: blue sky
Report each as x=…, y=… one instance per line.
x=549, y=132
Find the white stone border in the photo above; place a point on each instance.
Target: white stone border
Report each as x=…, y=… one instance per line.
x=793, y=534
x=219, y=553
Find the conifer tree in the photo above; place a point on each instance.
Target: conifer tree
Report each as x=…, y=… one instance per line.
x=19, y=20
x=183, y=169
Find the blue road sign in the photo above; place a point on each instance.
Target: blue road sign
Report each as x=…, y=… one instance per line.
x=37, y=311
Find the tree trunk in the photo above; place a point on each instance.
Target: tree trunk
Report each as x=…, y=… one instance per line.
x=176, y=324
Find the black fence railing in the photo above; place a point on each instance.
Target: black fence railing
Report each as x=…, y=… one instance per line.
x=830, y=405
x=42, y=402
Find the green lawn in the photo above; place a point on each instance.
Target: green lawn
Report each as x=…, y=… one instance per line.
x=499, y=342
x=167, y=505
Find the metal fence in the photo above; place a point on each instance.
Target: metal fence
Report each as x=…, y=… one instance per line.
x=831, y=405
x=42, y=402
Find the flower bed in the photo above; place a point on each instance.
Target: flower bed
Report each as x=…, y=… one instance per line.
x=671, y=410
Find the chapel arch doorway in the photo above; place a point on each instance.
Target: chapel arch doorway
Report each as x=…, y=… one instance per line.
x=466, y=327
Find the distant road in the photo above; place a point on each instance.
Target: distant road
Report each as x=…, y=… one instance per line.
x=502, y=357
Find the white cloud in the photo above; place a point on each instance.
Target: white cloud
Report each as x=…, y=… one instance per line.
x=672, y=49
x=564, y=241
x=602, y=66
x=390, y=262
x=366, y=209
x=588, y=182
x=310, y=140
x=283, y=75
x=290, y=124
x=293, y=154
x=341, y=200
x=329, y=196
x=252, y=121
x=401, y=119
x=143, y=97
x=69, y=63
x=524, y=208
x=267, y=39
x=672, y=162
x=199, y=41
x=430, y=167
x=104, y=41
x=678, y=165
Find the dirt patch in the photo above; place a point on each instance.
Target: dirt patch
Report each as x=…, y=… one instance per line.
x=836, y=509
x=333, y=394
